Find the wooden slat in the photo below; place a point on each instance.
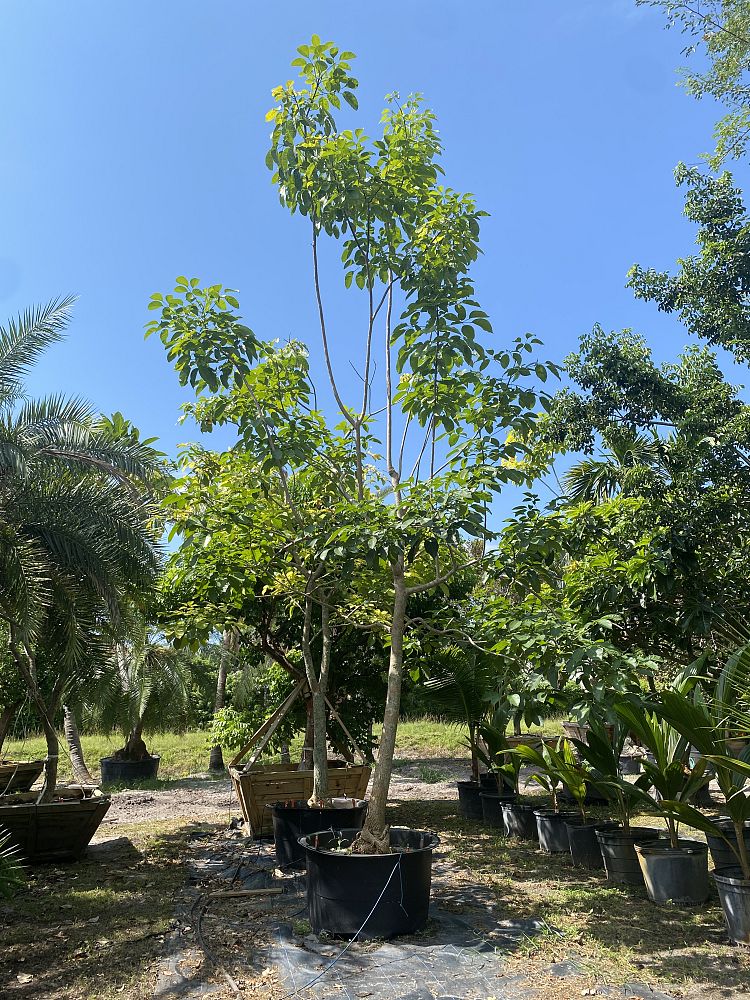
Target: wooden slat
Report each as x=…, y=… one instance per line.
x=268, y=728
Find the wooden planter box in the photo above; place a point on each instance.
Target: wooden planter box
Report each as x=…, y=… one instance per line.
x=19, y=775
x=266, y=783
x=54, y=831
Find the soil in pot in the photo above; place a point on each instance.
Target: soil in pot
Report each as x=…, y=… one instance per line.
x=722, y=854
x=675, y=874
x=469, y=802
x=492, y=803
x=734, y=895
x=292, y=820
x=553, y=833
x=114, y=770
x=584, y=847
x=519, y=820
x=618, y=851
x=379, y=895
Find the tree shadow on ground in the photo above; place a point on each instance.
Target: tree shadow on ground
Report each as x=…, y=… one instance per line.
x=675, y=943
x=87, y=927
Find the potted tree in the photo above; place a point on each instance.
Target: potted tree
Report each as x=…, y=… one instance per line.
x=460, y=689
x=385, y=533
x=548, y=765
x=617, y=843
x=696, y=721
x=144, y=685
x=674, y=870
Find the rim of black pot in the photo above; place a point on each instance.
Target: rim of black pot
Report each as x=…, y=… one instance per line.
x=290, y=804
x=505, y=796
x=562, y=813
x=124, y=760
x=663, y=846
x=302, y=841
x=733, y=873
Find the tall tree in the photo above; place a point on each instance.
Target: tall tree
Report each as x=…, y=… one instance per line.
x=395, y=517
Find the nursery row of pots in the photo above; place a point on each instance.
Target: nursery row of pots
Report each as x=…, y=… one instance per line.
x=634, y=855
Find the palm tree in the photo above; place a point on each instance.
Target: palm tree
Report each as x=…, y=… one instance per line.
x=77, y=525
x=144, y=684
x=626, y=461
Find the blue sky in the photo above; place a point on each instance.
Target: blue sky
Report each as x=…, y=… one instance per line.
x=133, y=140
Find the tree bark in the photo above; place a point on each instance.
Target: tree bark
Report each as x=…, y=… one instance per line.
x=6, y=721
x=318, y=683
x=228, y=649
x=375, y=826
x=73, y=739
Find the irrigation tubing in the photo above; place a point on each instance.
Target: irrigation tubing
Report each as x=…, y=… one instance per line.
x=350, y=942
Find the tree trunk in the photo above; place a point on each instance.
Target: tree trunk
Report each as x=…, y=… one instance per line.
x=318, y=682
x=376, y=833
x=6, y=721
x=135, y=747
x=228, y=649
x=304, y=761
x=53, y=759
x=73, y=738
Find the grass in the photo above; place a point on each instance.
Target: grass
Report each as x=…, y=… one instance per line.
x=93, y=930
x=612, y=933
x=183, y=754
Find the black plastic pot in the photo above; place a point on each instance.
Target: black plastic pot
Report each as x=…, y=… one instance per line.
x=380, y=895
x=128, y=770
x=492, y=812
x=630, y=764
x=553, y=833
x=734, y=895
x=519, y=820
x=488, y=782
x=469, y=802
x=618, y=851
x=722, y=854
x=675, y=874
x=584, y=847
x=292, y=820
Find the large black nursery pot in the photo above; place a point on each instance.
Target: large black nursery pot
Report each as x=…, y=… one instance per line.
x=519, y=820
x=734, y=895
x=584, y=847
x=492, y=807
x=369, y=895
x=113, y=769
x=675, y=874
x=294, y=819
x=553, y=833
x=618, y=851
x=721, y=853
x=469, y=802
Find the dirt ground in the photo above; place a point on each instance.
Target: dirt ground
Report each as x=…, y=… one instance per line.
x=200, y=798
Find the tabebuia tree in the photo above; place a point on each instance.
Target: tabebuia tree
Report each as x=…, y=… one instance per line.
x=371, y=501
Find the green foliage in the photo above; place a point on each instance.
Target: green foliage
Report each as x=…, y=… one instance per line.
x=721, y=33
x=11, y=866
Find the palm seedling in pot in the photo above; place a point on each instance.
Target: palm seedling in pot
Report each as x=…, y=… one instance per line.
x=674, y=870
x=617, y=843
x=547, y=764
x=696, y=720
x=500, y=787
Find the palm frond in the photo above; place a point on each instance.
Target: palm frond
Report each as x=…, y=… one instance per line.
x=24, y=339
